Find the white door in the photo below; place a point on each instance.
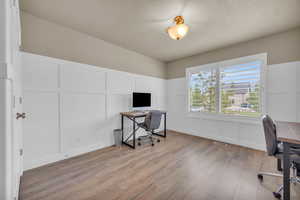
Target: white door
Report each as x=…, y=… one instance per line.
x=17, y=129
x=17, y=108
x=10, y=91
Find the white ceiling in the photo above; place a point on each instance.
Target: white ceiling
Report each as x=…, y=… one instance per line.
x=139, y=25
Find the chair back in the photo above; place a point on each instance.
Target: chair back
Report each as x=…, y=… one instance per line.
x=270, y=135
x=153, y=119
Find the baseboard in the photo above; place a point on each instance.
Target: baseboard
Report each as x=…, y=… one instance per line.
x=62, y=156
x=223, y=140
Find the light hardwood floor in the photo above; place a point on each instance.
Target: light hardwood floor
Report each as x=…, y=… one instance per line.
x=179, y=167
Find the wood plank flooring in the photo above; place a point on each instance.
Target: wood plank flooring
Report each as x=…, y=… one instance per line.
x=179, y=167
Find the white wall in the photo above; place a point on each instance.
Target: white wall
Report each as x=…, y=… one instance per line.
x=284, y=91
x=283, y=97
x=72, y=108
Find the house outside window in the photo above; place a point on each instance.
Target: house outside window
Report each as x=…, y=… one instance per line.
x=233, y=88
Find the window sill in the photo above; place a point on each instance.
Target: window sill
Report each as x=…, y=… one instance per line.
x=224, y=117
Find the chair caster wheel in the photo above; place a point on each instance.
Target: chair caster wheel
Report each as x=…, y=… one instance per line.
x=260, y=177
x=277, y=195
x=139, y=144
x=152, y=144
x=158, y=140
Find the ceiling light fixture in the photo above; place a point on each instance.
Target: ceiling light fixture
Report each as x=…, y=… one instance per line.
x=178, y=31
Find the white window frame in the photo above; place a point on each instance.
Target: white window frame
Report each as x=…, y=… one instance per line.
x=228, y=117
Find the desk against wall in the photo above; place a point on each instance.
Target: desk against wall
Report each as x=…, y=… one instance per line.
x=133, y=115
x=289, y=134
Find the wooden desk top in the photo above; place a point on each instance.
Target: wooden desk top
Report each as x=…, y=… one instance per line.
x=288, y=132
x=137, y=113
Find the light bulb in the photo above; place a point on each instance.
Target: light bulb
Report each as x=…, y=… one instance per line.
x=178, y=31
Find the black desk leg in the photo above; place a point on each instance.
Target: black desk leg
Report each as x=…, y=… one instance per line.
x=122, y=127
x=134, y=132
x=286, y=171
x=279, y=165
x=165, y=125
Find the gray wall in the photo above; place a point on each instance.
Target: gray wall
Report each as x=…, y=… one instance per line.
x=46, y=38
x=281, y=48
x=49, y=39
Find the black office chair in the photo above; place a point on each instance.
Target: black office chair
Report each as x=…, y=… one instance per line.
x=151, y=123
x=275, y=148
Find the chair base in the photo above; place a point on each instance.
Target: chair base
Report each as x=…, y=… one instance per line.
x=261, y=174
x=149, y=137
x=294, y=180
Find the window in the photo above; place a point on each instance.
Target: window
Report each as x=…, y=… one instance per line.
x=203, y=91
x=232, y=87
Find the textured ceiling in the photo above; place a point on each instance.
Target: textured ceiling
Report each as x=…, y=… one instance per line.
x=139, y=25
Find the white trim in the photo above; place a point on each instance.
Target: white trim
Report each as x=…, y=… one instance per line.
x=225, y=140
x=221, y=116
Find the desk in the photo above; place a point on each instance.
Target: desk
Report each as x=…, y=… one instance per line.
x=288, y=133
x=133, y=116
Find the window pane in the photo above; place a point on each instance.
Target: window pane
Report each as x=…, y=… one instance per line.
x=203, y=91
x=240, y=89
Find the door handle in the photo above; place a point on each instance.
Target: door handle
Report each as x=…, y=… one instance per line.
x=21, y=115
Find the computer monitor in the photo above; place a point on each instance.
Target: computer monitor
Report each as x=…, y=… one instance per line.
x=141, y=100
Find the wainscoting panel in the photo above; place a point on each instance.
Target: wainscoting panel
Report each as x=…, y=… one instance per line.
x=282, y=95
x=144, y=85
x=251, y=135
x=41, y=126
x=282, y=78
x=48, y=74
x=83, y=116
x=120, y=82
x=282, y=106
x=116, y=103
x=73, y=108
x=82, y=78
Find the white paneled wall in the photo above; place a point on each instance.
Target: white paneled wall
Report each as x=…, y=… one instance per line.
x=41, y=136
x=283, y=97
x=82, y=120
x=283, y=89
x=72, y=108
